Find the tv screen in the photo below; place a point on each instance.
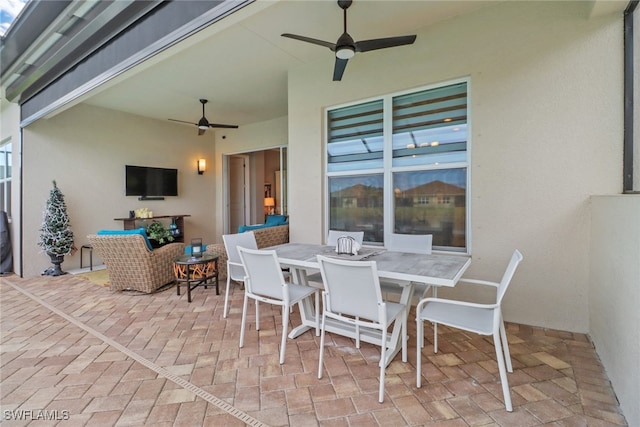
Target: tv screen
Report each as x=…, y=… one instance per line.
x=147, y=181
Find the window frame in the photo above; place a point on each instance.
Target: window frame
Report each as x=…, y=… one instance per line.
x=6, y=177
x=388, y=169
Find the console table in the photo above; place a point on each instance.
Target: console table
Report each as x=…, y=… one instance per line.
x=130, y=224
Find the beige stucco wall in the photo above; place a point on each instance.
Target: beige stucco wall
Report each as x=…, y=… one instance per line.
x=546, y=132
x=614, y=295
x=85, y=149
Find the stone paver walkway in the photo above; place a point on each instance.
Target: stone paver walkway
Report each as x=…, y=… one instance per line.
x=74, y=353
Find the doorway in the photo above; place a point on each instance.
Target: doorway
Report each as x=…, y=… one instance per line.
x=251, y=179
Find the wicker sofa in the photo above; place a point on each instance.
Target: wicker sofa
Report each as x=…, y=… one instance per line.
x=132, y=265
x=265, y=237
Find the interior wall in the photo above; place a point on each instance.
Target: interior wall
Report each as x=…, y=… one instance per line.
x=545, y=133
x=85, y=150
x=614, y=295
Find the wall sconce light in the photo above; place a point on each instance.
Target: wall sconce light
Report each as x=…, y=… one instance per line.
x=202, y=166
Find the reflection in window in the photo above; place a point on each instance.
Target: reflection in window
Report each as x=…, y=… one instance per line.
x=356, y=204
x=443, y=216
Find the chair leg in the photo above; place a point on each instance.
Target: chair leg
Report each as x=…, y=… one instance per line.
x=503, y=372
x=317, y=313
x=226, y=297
x=383, y=365
x=419, y=332
x=404, y=335
x=321, y=347
x=505, y=346
x=244, y=319
x=435, y=325
x=435, y=337
x=257, y=315
x=285, y=327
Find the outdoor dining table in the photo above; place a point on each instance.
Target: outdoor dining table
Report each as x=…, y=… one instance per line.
x=406, y=268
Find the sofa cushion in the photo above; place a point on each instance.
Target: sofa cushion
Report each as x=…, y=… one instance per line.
x=244, y=228
x=141, y=231
x=273, y=220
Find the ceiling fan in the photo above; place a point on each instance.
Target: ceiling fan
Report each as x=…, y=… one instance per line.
x=345, y=48
x=203, y=124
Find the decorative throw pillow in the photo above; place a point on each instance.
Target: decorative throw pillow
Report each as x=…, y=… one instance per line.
x=273, y=220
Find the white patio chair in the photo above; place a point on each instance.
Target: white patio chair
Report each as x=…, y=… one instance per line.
x=235, y=269
x=264, y=282
x=411, y=243
x=352, y=295
x=483, y=319
x=332, y=240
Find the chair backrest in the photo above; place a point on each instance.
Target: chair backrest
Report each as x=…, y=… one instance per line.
x=508, y=275
x=334, y=235
x=352, y=288
x=412, y=243
x=263, y=273
x=231, y=244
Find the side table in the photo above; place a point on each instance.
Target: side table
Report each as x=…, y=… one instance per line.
x=196, y=271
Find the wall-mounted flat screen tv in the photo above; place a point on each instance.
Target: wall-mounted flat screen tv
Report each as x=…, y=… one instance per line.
x=148, y=181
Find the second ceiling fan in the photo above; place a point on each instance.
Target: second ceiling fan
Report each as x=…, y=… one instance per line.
x=345, y=48
x=203, y=124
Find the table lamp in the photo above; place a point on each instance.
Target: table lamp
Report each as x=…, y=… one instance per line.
x=269, y=203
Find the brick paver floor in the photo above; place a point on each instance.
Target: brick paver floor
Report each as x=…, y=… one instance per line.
x=75, y=353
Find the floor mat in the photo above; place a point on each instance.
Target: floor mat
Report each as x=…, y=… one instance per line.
x=99, y=277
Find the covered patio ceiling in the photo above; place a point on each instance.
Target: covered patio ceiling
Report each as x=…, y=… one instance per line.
x=240, y=63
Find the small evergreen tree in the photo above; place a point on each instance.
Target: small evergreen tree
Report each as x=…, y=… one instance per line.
x=56, y=237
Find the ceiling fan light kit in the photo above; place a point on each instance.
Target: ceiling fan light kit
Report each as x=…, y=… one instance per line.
x=345, y=52
x=203, y=124
x=345, y=48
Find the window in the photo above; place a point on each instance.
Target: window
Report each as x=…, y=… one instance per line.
x=399, y=164
x=356, y=204
x=5, y=178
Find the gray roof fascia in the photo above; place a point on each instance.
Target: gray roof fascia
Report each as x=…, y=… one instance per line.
x=25, y=31
x=155, y=32
x=69, y=45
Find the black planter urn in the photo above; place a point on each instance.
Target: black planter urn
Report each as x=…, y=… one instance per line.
x=56, y=270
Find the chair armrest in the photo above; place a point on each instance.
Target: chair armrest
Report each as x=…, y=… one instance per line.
x=425, y=301
x=479, y=282
x=235, y=264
